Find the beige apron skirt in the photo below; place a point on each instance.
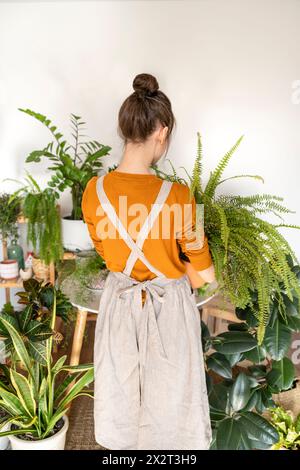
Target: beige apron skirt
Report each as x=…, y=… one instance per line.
x=150, y=387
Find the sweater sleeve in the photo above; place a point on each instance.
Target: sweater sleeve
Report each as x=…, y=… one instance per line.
x=89, y=207
x=193, y=244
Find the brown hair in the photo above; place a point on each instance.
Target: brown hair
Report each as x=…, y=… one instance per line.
x=144, y=109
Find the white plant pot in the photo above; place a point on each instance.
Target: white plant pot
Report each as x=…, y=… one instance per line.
x=75, y=235
x=55, y=442
x=4, y=440
x=9, y=269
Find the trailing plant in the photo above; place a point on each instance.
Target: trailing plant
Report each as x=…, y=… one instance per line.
x=44, y=226
x=33, y=322
x=248, y=252
x=9, y=212
x=73, y=164
x=37, y=399
x=287, y=427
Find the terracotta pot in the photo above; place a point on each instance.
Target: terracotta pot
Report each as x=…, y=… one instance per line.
x=40, y=269
x=9, y=269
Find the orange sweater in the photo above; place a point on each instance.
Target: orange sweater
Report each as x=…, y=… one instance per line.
x=163, y=253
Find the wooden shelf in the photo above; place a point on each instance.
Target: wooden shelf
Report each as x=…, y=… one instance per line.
x=11, y=283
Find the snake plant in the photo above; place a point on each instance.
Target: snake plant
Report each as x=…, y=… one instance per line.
x=38, y=398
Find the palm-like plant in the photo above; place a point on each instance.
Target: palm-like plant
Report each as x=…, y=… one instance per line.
x=34, y=400
x=249, y=253
x=73, y=164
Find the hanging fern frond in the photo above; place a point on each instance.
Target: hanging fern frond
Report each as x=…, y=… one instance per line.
x=256, y=177
x=196, y=179
x=216, y=175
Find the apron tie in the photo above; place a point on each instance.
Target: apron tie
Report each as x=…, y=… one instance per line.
x=148, y=322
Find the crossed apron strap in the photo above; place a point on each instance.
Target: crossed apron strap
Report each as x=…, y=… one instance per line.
x=136, y=247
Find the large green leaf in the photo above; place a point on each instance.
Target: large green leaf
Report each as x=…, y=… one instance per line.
x=24, y=391
x=232, y=342
x=19, y=345
x=38, y=351
x=259, y=428
x=277, y=340
x=232, y=436
x=13, y=402
x=77, y=387
x=59, y=364
x=219, y=397
x=240, y=392
x=25, y=316
x=256, y=355
x=282, y=374
x=220, y=365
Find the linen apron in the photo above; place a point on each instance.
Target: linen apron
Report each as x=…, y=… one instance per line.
x=150, y=387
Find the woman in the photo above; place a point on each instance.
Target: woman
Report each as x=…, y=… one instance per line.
x=150, y=389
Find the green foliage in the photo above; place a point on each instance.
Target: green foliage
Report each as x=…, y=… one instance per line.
x=9, y=212
x=40, y=297
x=234, y=426
x=287, y=427
x=44, y=225
x=33, y=322
x=239, y=398
x=249, y=253
x=37, y=399
x=74, y=164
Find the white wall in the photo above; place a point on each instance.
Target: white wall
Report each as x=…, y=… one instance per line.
x=228, y=67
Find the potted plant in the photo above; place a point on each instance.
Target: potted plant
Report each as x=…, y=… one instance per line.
x=39, y=207
x=239, y=400
x=73, y=165
x=35, y=400
x=33, y=322
x=249, y=253
x=9, y=212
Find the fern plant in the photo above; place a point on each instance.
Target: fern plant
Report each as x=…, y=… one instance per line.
x=73, y=164
x=44, y=227
x=249, y=253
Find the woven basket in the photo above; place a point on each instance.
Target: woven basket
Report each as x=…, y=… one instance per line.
x=40, y=269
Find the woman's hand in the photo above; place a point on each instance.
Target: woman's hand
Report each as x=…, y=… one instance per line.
x=200, y=278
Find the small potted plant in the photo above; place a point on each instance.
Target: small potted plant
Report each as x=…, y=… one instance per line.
x=9, y=212
x=35, y=400
x=73, y=165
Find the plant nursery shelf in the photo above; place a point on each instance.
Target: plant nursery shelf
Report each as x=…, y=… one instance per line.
x=11, y=284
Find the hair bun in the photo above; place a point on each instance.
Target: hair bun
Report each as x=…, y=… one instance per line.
x=145, y=84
